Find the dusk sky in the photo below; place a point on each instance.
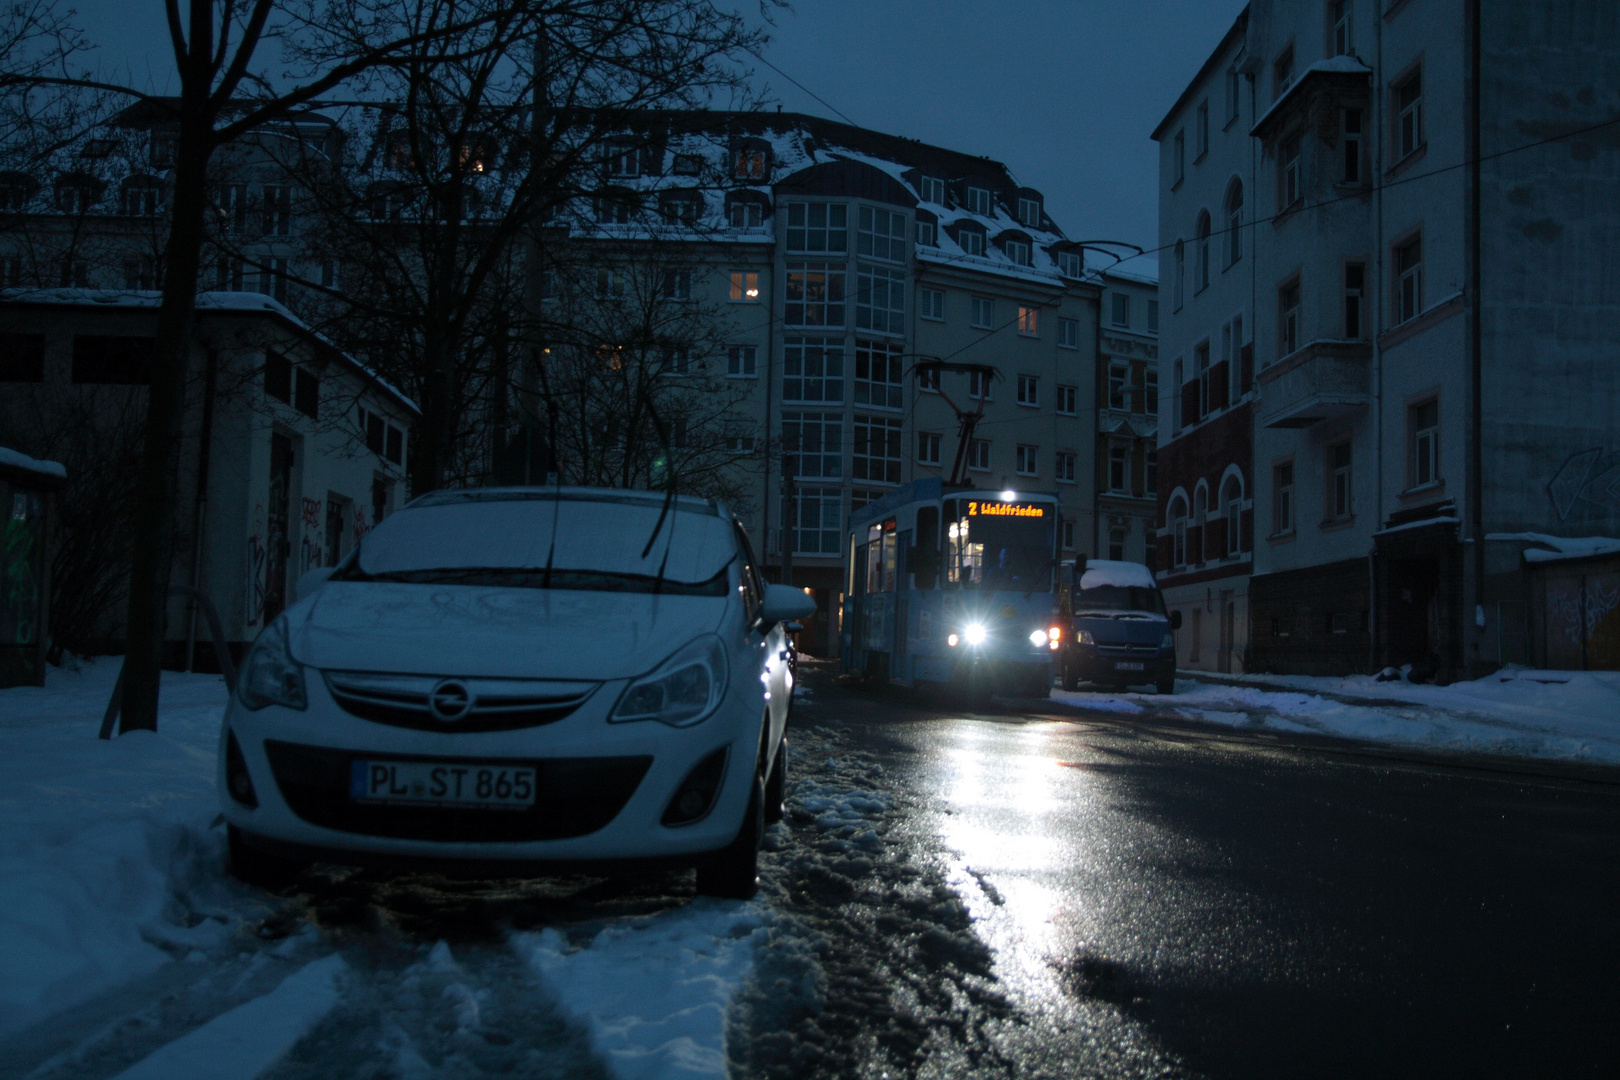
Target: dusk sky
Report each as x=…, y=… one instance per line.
x=1065, y=92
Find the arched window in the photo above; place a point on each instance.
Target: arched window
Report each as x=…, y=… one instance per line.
x=1200, y=516
x=1234, y=222
x=1232, y=507
x=1181, y=271
x=1202, y=268
x=1178, y=530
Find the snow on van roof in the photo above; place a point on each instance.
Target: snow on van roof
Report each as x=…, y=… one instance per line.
x=1125, y=575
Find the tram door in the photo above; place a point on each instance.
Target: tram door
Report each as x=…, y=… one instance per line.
x=902, y=605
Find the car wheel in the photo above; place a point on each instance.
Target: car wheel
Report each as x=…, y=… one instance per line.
x=1071, y=678
x=254, y=867
x=776, y=786
x=1166, y=686
x=732, y=872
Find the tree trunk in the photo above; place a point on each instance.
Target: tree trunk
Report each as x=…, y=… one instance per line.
x=157, y=489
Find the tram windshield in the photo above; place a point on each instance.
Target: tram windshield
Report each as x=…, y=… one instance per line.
x=999, y=546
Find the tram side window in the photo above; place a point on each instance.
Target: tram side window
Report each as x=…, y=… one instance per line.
x=924, y=558
x=891, y=546
x=874, y=559
x=857, y=567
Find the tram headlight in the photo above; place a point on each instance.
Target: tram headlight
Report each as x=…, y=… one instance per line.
x=974, y=633
x=951, y=640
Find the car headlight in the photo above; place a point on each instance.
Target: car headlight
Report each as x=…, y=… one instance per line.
x=973, y=633
x=1168, y=641
x=270, y=675
x=1083, y=637
x=1037, y=638
x=683, y=690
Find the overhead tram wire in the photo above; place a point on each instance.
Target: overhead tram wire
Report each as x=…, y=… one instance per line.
x=806, y=89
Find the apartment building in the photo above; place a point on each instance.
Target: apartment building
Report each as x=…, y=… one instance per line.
x=1127, y=409
x=1434, y=308
x=1205, y=524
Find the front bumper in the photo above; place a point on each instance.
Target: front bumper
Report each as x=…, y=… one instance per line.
x=601, y=787
x=1086, y=663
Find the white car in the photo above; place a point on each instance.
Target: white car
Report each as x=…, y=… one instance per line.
x=523, y=679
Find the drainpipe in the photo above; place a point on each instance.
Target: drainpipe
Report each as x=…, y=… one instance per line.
x=1377, y=283
x=199, y=524
x=1476, y=509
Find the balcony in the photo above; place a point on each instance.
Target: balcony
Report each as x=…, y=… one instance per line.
x=1322, y=381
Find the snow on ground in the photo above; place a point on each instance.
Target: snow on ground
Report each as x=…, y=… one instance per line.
x=654, y=991
x=1519, y=712
x=108, y=868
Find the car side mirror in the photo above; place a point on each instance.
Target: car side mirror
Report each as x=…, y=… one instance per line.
x=310, y=580
x=1175, y=620
x=783, y=603
x=793, y=626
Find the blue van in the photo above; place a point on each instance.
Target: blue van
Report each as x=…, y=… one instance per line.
x=1117, y=632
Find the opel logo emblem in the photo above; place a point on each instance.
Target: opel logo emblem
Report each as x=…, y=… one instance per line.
x=450, y=700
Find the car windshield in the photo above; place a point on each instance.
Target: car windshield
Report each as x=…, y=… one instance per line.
x=563, y=543
x=1119, y=598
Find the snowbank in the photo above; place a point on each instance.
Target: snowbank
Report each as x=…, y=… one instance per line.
x=1521, y=712
x=22, y=461
x=1563, y=547
x=104, y=846
x=654, y=991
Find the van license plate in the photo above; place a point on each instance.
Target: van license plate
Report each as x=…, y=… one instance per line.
x=1128, y=665
x=428, y=783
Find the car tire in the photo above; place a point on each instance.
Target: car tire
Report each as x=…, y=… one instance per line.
x=1071, y=678
x=776, y=786
x=251, y=866
x=1166, y=686
x=732, y=872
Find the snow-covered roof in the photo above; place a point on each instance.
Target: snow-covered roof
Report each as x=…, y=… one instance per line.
x=1142, y=269
x=1334, y=65
x=233, y=302
x=1124, y=575
x=11, y=459
x=1562, y=547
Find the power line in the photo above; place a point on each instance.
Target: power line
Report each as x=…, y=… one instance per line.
x=803, y=87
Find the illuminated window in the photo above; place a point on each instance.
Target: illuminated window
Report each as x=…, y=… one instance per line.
x=1029, y=321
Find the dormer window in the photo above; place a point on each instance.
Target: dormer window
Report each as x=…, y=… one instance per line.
x=1029, y=212
x=77, y=192
x=1069, y=264
x=931, y=189
x=623, y=161
x=399, y=153
x=688, y=165
x=163, y=150
x=978, y=201
x=971, y=241
x=750, y=164
x=1017, y=251
x=140, y=197
x=477, y=154
x=683, y=207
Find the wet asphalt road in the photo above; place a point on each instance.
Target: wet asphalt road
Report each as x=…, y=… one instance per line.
x=1165, y=898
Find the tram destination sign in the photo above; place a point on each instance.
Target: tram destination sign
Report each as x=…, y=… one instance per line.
x=1008, y=509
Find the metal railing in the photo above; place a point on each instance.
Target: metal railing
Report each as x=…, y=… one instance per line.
x=221, y=650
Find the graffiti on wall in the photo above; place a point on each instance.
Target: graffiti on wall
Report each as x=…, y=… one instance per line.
x=257, y=563
x=360, y=526
x=19, y=570
x=310, y=551
x=1579, y=612
x=1589, y=476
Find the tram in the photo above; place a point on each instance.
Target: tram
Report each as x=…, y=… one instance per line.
x=953, y=587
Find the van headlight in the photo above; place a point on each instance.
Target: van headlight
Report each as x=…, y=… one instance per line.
x=270, y=675
x=1083, y=637
x=1168, y=641
x=683, y=690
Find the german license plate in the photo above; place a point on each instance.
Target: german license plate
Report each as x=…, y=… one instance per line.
x=429, y=783
x=1127, y=665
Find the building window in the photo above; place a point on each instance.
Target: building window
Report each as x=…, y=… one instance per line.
x=1355, y=278
x=1029, y=390
x=273, y=280
x=1068, y=535
x=140, y=272
x=1234, y=223
x=1424, y=421
x=624, y=160
x=141, y=200
x=882, y=234
x=876, y=455
x=1232, y=509
x=617, y=209
x=1119, y=468
x=1350, y=144
x=1201, y=373
x=971, y=241
x=1232, y=93
x=816, y=439
x=1017, y=251
x=1153, y=316
x=1200, y=519
x=931, y=304
x=982, y=313
x=1181, y=271
x=1178, y=532
x=1068, y=333
x=1178, y=159
x=1409, y=116
x=979, y=455
x=928, y=380
x=1201, y=131
x=1066, y=398
x=1282, y=73
x=1152, y=479
x=1288, y=177
x=814, y=295
x=1029, y=212
x=927, y=234
x=880, y=300
x=1176, y=395
x=1288, y=318
x=744, y=287
x=741, y=361
x=1116, y=544
x=1024, y=458
x=878, y=378
x=611, y=284
x=813, y=369
x=1344, y=39
x=1409, y=279
x=1070, y=264
x=1339, y=490
x=1120, y=313
x=927, y=448
x=816, y=529
x=684, y=207
x=979, y=385
x=744, y=215
x=688, y=164
x=1150, y=392
x=1282, y=498
x=677, y=360
x=1029, y=321
x=978, y=202
x=933, y=190
x=677, y=284
x=1065, y=466
x=277, y=210
x=817, y=227
x=1119, y=374
x=1202, y=265
x=750, y=163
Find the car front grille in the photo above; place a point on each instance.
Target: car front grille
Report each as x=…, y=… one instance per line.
x=573, y=796
x=495, y=704
x=1128, y=650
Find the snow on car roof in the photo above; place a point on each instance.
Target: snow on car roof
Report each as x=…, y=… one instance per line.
x=1125, y=575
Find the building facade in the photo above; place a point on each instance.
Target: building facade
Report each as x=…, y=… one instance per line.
x=1435, y=309
x=1127, y=412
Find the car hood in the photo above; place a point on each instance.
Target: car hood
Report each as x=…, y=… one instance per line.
x=1123, y=628
x=479, y=630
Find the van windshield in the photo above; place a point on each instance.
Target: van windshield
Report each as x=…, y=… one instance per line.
x=1118, y=598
